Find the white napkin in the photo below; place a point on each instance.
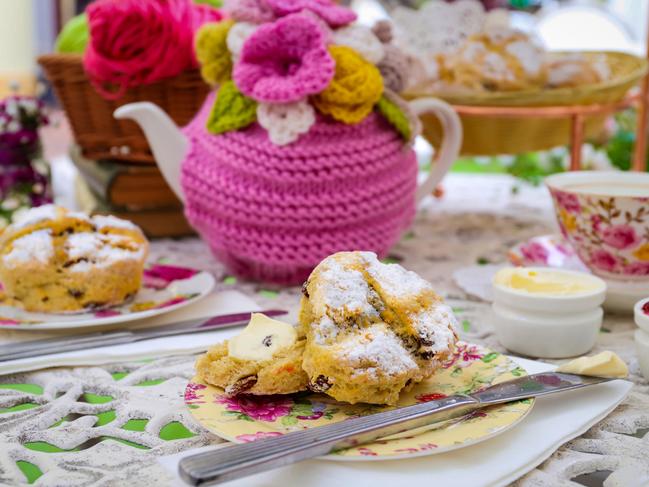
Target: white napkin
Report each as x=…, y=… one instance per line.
x=216, y=303
x=499, y=461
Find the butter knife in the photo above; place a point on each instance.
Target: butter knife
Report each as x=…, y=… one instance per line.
x=241, y=460
x=101, y=339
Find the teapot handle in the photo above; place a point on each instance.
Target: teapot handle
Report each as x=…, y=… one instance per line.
x=451, y=143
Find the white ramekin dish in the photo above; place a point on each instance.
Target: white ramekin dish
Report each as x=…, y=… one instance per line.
x=549, y=325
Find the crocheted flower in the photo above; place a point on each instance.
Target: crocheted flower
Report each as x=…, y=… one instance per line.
x=383, y=30
x=231, y=111
x=397, y=112
x=284, y=61
x=362, y=40
x=394, y=68
x=285, y=122
x=331, y=13
x=237, y=37
x=355, y=88
x=253, y=11
x=212, y=51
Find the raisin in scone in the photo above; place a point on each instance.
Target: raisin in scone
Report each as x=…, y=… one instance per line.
x=265, y=358
x=56, y=260
x=372, y=329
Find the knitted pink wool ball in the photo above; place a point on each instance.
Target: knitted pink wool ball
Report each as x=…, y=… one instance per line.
x=272, y=213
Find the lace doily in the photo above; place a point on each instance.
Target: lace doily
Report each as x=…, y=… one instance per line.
x=117, y=419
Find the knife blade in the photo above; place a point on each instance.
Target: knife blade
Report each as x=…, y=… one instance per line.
x=101, y=339
x=215, y=467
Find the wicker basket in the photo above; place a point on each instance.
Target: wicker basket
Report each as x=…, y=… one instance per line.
x=493, y=136
x=101, y=136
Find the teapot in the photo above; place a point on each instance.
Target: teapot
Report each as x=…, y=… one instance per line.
x=271, y=213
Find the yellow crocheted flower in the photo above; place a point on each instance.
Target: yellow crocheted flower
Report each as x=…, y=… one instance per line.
x=356, y=86
x=212, y=51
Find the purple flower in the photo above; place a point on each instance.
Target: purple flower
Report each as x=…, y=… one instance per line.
x=104, y=313
x=160, y=276
x=334, y=15
x=262, y=408
x=620, y=236
x=284, y=61
x=191, y=393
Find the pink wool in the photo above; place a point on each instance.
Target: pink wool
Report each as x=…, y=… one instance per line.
x=272, y=213
x=139, y=42
x=284, y=61
x=253, y=11
x=334, y=15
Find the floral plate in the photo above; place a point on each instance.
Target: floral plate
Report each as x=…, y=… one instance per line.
x=546, y=251
x=249, y=418
x=165, y=288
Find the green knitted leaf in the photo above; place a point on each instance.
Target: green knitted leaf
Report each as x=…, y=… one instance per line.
x=395, y=116
x=231, y=111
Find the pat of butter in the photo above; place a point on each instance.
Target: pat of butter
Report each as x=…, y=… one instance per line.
x=261, y=339
x=605, y=364
x=548, y=282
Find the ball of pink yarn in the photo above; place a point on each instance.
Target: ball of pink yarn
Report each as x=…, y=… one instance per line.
x=139, y=42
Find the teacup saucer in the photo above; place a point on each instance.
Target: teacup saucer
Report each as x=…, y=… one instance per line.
x=556, y=252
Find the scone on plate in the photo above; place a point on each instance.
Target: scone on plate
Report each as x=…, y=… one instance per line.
x=56, y=260
x=372, y=329
x=265, y=358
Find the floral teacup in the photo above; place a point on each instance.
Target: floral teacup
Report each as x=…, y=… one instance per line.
x=605, y=216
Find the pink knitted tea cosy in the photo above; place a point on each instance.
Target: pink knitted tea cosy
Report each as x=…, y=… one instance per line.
x=272, y=213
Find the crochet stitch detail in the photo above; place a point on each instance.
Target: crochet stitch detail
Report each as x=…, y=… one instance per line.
x=253, y=11
x=398, y=113
x=360, y=39
x=284, y=61
x=327, y=10
x=237, y=36
x=231, y=110
x=212, y=51
x=273, y=212
x=285, y=122
x=394, y=69
x=357, y=85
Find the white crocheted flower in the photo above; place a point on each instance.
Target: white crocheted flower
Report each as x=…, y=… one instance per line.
x=285, y=122
x=362, y=40
x=237, y=36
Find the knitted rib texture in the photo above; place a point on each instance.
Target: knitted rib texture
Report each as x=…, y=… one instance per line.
x=271, y=212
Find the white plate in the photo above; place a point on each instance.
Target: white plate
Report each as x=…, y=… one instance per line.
x=165, y=288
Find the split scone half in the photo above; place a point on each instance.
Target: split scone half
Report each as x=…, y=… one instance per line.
x=265, y=358
x=56, y=260
x=372, y=329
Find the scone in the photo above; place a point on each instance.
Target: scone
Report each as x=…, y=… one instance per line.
x=497, y=60
x=372, y=329
x=56, y=260
x=574, y=69
x=266, y=358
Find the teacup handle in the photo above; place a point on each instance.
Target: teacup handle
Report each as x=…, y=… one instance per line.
x=451, y=143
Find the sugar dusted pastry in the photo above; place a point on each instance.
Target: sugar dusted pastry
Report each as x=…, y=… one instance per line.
x=372, y=329
x=574, y=69
x=56, y=260
x=497, y=60
x=265, y=358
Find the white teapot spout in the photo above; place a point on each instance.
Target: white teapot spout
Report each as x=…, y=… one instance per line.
x=168, y=143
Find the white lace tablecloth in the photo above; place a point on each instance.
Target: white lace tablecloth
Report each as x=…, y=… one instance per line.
x=116, y=440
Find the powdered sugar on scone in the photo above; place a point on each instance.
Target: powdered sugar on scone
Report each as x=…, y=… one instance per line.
x=436, y=326
x=98, y=250
x=377, y=350
x=394, y=279
x=36, y=246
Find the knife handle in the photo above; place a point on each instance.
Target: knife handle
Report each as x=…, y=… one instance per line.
x=241, y=460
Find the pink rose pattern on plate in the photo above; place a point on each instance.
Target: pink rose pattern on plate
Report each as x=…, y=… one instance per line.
x=610, y=235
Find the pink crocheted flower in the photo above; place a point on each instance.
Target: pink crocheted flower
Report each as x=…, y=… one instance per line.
x=284, y=61
x=333, y=14
x=260, y=408
x=253, y=11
